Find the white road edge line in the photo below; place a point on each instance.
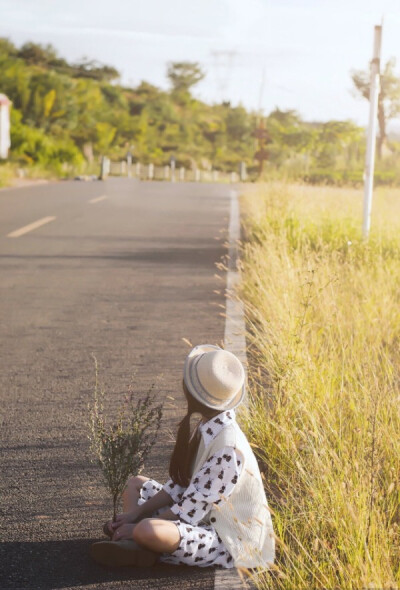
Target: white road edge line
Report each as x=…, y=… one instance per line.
x=27, y=228
x=235, y=328
x=234, y=341
x=97, y=199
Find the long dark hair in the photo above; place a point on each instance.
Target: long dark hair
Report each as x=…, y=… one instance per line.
x=186, y=446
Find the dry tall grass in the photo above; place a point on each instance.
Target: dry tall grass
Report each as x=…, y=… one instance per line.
x=324, y=331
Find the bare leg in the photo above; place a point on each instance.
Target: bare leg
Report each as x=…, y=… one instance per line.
x=160, y=536
x=131, y=493
x=130, y=496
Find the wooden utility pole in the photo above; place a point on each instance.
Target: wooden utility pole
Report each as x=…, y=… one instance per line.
x=263, y=138
x=371, y=138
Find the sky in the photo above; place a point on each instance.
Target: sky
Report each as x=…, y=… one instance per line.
x=290, y=54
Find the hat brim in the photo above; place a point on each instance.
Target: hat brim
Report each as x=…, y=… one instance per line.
x=193, y=387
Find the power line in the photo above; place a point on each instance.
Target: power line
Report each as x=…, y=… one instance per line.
x=223, y=63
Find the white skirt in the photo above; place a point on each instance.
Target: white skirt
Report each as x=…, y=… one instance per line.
x=200, y=544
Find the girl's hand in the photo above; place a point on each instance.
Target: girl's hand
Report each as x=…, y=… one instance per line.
x=125, y=531
x=127, y=518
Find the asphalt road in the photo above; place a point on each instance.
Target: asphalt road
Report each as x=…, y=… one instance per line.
x=125, y=277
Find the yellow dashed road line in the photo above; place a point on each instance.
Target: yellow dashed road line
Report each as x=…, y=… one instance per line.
x=27, y=228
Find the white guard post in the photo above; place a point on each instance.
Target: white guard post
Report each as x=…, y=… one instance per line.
x=5, y=141
x=371, y=140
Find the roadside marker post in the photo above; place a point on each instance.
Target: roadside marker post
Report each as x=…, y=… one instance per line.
x=129, y=163
x=166, y=172
x=172, y=163
x=371, y=138
x=105, y=168
x=242, y=171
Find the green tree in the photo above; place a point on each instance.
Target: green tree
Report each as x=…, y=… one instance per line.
x=7, y=48
x=334, y=138
x=183, y=76
x=289, y=135
x=389, y=96
x=95, y=70
x=35, y=53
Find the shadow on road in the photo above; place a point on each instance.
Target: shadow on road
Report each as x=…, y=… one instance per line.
x=179, y=256
x=66, y=564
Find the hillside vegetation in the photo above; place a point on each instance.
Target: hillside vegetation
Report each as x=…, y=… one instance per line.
x=65, y=115
x=324, y=331
x=71, y=112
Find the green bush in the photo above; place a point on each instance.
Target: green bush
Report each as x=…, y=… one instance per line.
x=351, y=177
x=387, y=177
x=322, y=176
x=31, y=145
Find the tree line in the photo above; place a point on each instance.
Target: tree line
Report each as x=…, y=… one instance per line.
x=66, y=115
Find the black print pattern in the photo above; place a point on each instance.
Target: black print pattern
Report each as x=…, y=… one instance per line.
x=203, y=548
x=200, y=544
x=216, y=478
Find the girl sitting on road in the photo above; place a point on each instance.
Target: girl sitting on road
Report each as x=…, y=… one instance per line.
x=213, y=511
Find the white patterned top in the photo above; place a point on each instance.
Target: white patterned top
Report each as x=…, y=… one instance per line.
x=218, y=476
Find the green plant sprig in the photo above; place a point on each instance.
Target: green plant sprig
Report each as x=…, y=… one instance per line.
x=121, y=448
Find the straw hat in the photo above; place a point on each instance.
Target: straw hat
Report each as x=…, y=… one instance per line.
x=215, y=377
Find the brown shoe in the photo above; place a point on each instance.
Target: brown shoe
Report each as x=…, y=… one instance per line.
x=122, y=553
